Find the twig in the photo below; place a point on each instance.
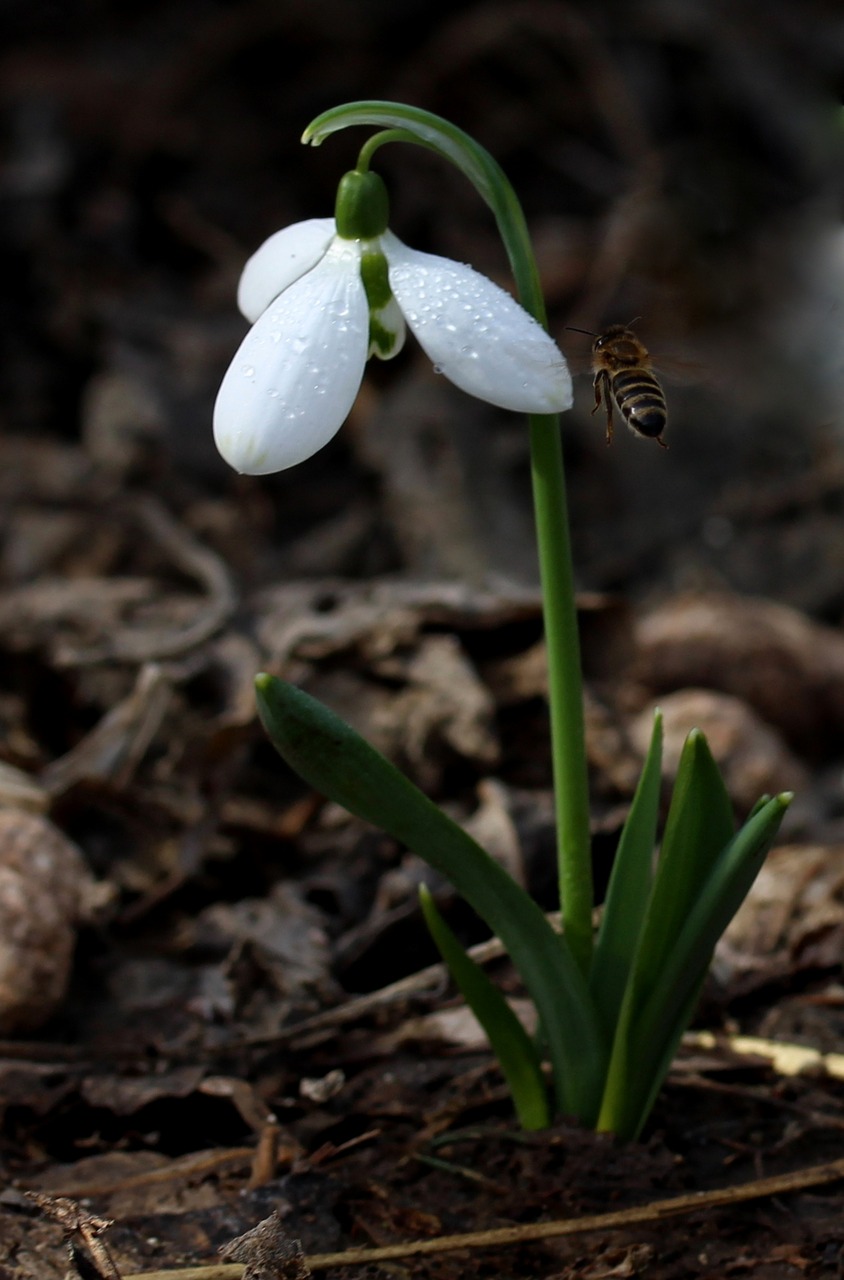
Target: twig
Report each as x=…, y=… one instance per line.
x=421, y=982
x=657, y=1211
x=195, y=1167
x=149, y=644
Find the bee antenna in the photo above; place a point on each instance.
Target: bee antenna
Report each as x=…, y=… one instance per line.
x=635, y=320
x=571, y=328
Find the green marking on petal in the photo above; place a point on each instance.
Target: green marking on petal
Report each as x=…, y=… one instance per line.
x=376, y=279
x=386, y=323
x=382, y=342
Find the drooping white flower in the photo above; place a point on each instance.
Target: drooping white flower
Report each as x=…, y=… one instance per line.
x=322, y=301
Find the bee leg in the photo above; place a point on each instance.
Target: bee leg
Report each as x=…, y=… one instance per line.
x=601, y=383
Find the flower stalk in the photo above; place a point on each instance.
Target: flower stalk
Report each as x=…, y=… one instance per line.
x=565, y=688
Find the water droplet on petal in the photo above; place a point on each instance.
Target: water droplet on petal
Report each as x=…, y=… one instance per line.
x=248, y=370
x=438, y=368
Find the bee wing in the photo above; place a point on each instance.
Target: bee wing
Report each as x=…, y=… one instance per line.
x=581, y=366
x=578, y=356
x=680, y=371
x=677, y=369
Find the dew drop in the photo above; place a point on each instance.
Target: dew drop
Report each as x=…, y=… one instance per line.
x=248, y=370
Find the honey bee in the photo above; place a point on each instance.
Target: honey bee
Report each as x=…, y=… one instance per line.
x=624, y=378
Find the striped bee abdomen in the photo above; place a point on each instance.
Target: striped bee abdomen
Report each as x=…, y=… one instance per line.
x=640, y=401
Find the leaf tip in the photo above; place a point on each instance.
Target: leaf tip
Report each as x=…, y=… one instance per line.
x=779, y=802
x=697, y=746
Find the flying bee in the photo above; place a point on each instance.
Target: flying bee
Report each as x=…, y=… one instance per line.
x=625, y=378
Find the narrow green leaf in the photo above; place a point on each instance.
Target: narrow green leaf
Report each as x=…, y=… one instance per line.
x=760, y=804
x=699, y=825
x=638, y=1110
x=720, y=898
x=337, y=761
x=511, y=1044
x=650, y=1031
x=627, y=894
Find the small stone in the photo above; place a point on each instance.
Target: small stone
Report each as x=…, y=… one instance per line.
x=44, y=883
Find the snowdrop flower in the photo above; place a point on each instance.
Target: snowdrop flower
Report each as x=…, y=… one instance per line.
x=325, y=294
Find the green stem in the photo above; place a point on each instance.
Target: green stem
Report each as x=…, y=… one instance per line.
x=565, y=692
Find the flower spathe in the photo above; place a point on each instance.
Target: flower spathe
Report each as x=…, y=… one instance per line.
x=321, y=304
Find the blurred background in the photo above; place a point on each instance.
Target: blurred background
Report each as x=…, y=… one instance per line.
x=678, y=162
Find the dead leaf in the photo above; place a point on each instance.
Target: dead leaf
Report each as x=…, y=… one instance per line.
x=788, y=668
x=267, y=1252
x=792, y=918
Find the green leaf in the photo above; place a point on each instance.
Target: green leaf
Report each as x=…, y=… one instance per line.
x=760, y=804
x=650, y=1031
x=638, y=1109
x=627, y=894
x=331, y=757
x=699, y=825
x=720, y=898
x=511, y=1044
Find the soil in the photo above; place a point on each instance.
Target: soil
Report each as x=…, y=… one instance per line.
x=208, y=996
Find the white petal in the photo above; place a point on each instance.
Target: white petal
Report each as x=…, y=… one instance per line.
x=298, y=370
x=283, y=258
x=476, y=334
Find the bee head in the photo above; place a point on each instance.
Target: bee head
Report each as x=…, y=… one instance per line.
x=612, y=335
